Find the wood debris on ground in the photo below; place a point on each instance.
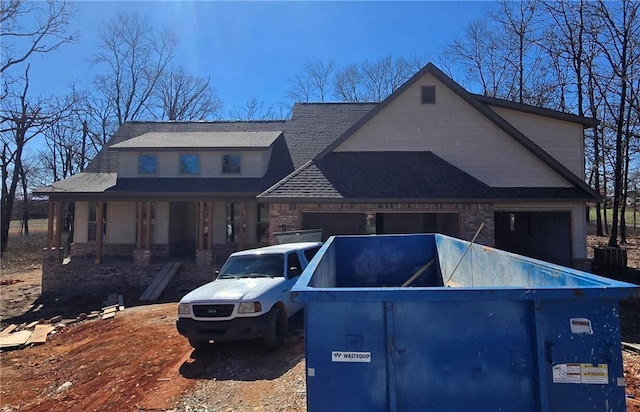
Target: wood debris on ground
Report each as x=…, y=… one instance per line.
x=113, y=304
x=35, y=333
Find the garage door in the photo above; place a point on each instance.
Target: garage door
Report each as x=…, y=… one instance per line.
x=337, y=223
x=541, y=235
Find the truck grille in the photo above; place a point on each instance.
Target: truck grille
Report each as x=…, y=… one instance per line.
x=212, y=311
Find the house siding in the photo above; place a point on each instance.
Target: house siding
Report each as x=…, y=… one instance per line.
x=121, y=222
x=456, y=132
x=561, y=139
x=254, y=163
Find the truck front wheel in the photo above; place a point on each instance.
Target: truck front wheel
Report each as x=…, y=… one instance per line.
x=277, y=328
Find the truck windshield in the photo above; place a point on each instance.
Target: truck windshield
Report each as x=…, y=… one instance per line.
x=251, y=266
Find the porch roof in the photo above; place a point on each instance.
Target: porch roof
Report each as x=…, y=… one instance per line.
x=200, y=140
x=82, y=183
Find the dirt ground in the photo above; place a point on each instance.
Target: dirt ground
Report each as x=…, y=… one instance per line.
x=138, y=362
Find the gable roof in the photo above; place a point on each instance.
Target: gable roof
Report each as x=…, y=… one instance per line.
x=397, y=176
x=199, y=140
x=481, y=107
x=312, y=127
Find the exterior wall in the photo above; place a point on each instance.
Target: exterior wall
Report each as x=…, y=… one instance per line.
x=456, y=132
x=219, y=223
x=471, y=215
x=121, y=222
x=578, y=220
x=161, y=223
x=81, y=222
x=254, y=163
x=562, y=140
x=78, y=280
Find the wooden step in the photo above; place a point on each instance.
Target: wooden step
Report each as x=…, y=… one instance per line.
x=160, y=282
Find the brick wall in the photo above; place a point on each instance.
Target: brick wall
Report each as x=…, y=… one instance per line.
x=83, y=280
x=288, y=216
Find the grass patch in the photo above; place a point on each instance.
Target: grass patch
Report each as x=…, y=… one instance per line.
x=628, y=216
x=24, y=252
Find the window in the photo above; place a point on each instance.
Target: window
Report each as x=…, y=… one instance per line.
x=231, y=163
x=92, y=228
x=428, y=94
x=294, y=267
x=310, y=253
x=147, y=164
x=189, y=164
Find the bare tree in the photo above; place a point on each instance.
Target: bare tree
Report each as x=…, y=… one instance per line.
x=348, y=84
x=21, y=120
x=482, y=53
x=30, y=27
x=618, y=44
x=256, y=109
x=134, y=56
x=313, y=84
x=185, y=97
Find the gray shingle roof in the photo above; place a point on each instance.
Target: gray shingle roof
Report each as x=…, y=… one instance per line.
x=312, y=127
x=362, y=176
x=199, y=140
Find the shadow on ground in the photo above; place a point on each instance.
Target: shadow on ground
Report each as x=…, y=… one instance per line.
x=247, y=360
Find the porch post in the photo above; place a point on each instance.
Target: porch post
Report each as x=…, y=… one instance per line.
x=59, y=226
x=139, y=231
x=147, y=235
x=241, y=225
x=200, y=221
x=99, y=228
x=210, y=224
x=50, y=224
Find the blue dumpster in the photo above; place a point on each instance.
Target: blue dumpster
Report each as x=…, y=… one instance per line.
x=431, y=323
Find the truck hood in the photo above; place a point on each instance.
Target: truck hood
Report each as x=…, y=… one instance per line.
x=232, y=290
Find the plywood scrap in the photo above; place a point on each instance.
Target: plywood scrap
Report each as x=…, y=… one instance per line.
x=14, y=340
x=108, y=315
x=39, y=334
x=8, y=329
x=32, y=324
x=160, y=281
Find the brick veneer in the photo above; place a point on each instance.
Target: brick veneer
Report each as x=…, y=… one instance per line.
x=288, y=216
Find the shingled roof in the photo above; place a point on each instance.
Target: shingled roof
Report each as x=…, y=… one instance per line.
x=396, y=176
x=312, y=127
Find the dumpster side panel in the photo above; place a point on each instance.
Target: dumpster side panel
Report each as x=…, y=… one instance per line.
x=373, y=261
x=346, y=357
x=583, y=365
x=464, y=356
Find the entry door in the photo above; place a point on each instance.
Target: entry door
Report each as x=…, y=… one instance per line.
x=540, y=235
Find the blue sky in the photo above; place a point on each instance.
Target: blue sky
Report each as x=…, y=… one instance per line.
x=253, y=49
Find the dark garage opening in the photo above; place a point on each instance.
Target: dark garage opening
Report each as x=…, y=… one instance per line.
x=540, y=235
x=381, y=223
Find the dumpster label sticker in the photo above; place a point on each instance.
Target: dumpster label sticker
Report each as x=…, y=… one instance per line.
x=581, y=325
x=585, y=373
x=360, y=357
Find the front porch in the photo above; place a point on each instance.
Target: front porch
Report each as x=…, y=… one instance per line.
x=135, y=238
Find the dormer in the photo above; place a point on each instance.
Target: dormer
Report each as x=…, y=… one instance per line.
x=196, y=155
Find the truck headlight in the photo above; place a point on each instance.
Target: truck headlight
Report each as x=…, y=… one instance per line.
x=184, y=309
x=250, y=307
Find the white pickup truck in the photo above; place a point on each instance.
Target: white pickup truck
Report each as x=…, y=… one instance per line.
x=250, y=297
